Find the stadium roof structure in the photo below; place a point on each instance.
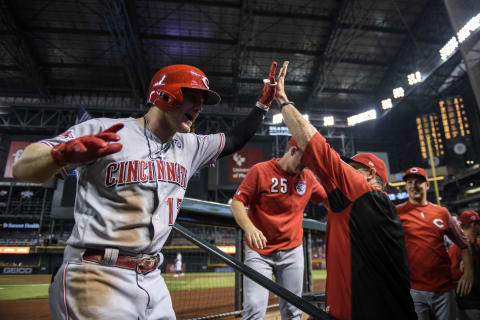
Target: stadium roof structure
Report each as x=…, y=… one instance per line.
x=345, y=55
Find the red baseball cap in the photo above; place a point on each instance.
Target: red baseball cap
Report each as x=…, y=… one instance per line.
x=371, y=161
x=415, y=171
x=468, y=216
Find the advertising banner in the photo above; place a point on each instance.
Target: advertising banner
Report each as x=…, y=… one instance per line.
x=15, y=250
x=241, y=161
x=16, y=150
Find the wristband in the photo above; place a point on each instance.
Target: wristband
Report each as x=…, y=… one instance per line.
x=285, y=103
x=262, y=106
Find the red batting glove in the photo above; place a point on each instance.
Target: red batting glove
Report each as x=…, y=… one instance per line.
x=269, y=89
x=87, y=148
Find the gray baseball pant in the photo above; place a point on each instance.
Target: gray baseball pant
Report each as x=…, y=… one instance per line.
x=287, y=266
x=434, y=305
x=87, y=290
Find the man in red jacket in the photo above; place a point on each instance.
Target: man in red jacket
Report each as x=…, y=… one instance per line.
x=468, y=307
x=425, y=226
x=367, y=266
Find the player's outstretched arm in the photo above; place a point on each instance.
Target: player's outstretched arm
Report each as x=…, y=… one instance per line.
x=300, y=128
x=36, y=164
x=243, y=131
x=254, y=236
x=40, y=162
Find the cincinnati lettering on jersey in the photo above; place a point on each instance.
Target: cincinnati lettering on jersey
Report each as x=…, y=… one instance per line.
x=134, y=171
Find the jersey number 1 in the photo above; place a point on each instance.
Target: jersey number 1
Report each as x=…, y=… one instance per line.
x=170, y=202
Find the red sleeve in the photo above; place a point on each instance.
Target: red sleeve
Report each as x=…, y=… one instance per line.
x=455, y=233
x=332, y=171
x=318, y=192
x=455, y=258
x=248, y=188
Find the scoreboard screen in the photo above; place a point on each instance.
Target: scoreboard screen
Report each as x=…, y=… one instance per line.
x=429, y=125
x=454, y=118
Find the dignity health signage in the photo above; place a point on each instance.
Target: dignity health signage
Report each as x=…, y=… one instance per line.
x=6, y=225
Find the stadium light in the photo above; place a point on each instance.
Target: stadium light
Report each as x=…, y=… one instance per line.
x=361, y=117
x=398, y=93
x=473, y=190
x=414, y=78
x=449, y=49
x=472, y=25
x=387, y=104
x=277, y=118
x=328, y=121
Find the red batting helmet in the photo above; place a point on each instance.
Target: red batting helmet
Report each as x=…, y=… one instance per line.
x=165, y=90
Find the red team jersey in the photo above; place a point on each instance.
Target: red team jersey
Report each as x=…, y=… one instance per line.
x=425, y=228
x=367, y=266
x=472, y=300
x=276, y=200
x=456, y=257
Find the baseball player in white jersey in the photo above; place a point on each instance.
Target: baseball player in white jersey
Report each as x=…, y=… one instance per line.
x=132, y=177
x=178, y=265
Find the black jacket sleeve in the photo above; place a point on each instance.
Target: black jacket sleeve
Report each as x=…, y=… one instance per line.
x=243, y=131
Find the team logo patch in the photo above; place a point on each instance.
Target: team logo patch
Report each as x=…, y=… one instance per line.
x=301, y=187
x=67, y=135
x=205, y=82
x=177, y=143
x=201, y=137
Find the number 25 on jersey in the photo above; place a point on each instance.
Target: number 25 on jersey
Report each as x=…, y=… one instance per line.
x=279, y=186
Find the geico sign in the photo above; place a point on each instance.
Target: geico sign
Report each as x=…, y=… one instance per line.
x=17, y=270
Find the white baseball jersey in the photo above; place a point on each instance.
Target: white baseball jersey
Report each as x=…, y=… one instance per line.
x=129, y=200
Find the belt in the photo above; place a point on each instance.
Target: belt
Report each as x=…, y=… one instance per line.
x=141, y=265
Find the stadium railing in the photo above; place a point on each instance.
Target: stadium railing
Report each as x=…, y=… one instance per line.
x=209, y=284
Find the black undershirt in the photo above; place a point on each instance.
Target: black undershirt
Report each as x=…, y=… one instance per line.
x=243, y=131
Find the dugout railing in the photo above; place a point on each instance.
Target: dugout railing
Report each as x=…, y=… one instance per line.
x=211, y=233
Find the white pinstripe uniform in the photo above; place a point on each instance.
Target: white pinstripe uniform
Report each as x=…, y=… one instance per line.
x=125, y=203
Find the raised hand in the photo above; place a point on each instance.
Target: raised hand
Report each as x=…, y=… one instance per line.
x=281, y=95
x=87, y=148
x=269, y=88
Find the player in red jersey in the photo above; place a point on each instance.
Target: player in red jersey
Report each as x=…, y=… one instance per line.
x=425, y=226
x=367, y=266
x=276, y=193
x=468, y=307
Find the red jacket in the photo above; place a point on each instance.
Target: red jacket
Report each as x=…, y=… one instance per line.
x=367, y=266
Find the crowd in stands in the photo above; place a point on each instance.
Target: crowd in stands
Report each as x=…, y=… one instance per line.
x=19, y=260
x=211, y=234
x=32, y=238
